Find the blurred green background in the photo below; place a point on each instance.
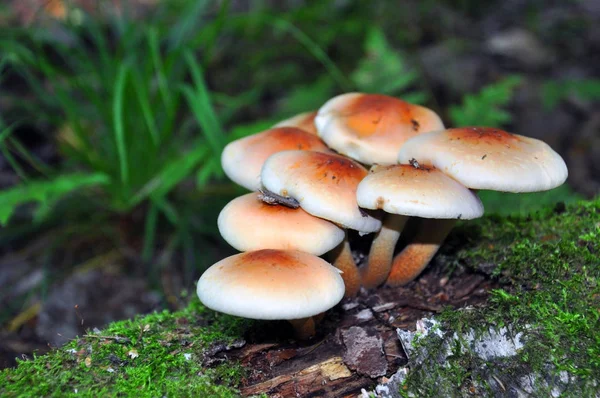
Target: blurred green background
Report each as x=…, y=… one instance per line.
x=113, y=115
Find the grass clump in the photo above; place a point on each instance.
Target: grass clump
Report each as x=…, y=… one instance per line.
x=549, y=266
x=151, y=356
x=125, y=99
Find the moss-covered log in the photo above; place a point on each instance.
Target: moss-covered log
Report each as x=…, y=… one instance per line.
x=537, y=275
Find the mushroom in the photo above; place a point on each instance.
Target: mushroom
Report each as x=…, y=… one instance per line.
x=242, y=159
x=478, y=158
x=405, y=191
x=488, y=158
x=247, y=223
x=273, y=285
x=324, y=185
x=304, y=121
x=371, y=128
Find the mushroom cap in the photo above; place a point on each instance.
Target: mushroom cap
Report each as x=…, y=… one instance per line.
x=271, y=284
x=242, y=159
x=488, y=158
x=247, y=223
x=323, y=183
x=418, y=192
x=371, y=128
x=304, y=121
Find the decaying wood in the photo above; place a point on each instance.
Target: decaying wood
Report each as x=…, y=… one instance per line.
x=356, y=345
x=320, y=375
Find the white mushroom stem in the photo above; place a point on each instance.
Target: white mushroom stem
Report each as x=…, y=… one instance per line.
x=341, y=258
x=382, y=251
x=409, y=263
x=304, y=328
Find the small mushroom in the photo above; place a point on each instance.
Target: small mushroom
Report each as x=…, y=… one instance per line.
x=273, y=285
x=405, y=191
x=488, y=158
x=371, y=128
x=247, y=223
x=304, y=121
x=478, y=158
x=242, y=159
x=324, y=185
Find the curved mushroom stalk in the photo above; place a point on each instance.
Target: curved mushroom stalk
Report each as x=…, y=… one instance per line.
x=382, y=251
x=304, y=328
x=341, y=258
x=409, y=263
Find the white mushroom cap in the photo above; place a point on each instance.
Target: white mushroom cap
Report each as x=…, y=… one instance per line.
x=247, y=223
x=324, y=184
x=371, y=128
x=242, y=159
x=418, y=192
x=488, y=158
x=271, y=284
x=304, y=121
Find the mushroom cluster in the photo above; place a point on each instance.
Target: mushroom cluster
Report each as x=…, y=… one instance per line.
x=311, y=186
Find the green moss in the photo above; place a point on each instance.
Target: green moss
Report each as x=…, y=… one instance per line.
x=155, y=355
x=549, y=266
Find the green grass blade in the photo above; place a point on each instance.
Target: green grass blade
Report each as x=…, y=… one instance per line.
x=213, y=34
x=4, y=135
x=13, y=163
x=102, y=48
x=29, y=157
x=175, y=171
x=118, y=122
x=36, y=83
x=44, y=191
x=315, y=50
x=187, y=23
x=6, y=131
x=144, y=101
x=168, y=210
x=230, y=105
x=201, y=104
x=210, y=132
x=160, y=71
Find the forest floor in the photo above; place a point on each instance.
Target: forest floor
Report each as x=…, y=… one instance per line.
x=536, y=276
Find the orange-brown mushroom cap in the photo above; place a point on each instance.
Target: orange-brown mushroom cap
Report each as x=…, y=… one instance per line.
x=323, y=183
x=243, y=159
x=271, y=284
x=247, y=223
x=488, y=158
x=371, y=128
